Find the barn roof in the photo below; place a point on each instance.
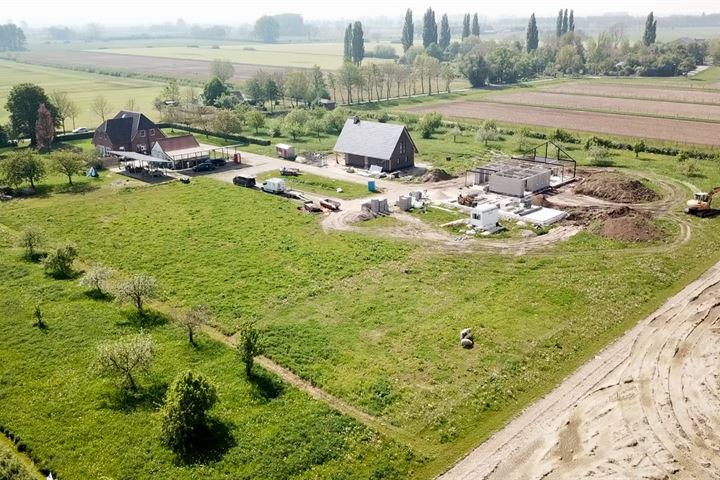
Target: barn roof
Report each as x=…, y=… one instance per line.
x=173, y=144
x=370, y=139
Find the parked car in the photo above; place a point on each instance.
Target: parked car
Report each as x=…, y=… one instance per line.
x=244, y=181
x=219, y=162
x=204, y=167
x=81, y=130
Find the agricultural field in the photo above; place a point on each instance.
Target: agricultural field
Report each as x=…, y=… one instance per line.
x=372, y=321
x=82, y=87
x=327, y=56
x=655, y=107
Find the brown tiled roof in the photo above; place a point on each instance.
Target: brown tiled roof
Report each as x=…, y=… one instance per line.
x=172, y=144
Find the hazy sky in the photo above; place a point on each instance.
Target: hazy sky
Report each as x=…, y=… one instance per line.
x=46, y=12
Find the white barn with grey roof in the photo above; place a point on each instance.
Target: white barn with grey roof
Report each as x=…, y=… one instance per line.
x=364, y=144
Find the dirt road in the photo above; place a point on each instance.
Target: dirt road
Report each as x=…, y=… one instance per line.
x=645, y=407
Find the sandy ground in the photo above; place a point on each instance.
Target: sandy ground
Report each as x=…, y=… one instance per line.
x=681, y=131
x=646, y=407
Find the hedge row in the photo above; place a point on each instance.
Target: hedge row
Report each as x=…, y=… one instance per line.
x=225, y=136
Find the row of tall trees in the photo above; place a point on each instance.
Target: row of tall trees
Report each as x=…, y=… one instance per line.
x=565, y=22
x=354, y=43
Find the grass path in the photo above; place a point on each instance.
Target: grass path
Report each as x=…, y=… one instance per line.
x=341, y=406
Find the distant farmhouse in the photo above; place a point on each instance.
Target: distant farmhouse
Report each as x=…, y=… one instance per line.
x=365, y=144
x=127, y=131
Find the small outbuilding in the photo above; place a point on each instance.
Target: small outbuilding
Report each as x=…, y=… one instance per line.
x=364, y=144
x=285, y=151
x=485, y=216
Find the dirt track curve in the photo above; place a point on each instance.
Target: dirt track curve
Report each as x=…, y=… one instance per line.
x=646, y=407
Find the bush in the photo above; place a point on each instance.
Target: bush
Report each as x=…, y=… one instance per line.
x=249, y=345
x=560, y=135
x=383, y=51
x=185, y=410
x=429, y=124
x=59, y=263
x=599, y=155
x=10, y=467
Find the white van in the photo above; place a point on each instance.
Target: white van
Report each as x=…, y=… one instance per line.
x=274, y=185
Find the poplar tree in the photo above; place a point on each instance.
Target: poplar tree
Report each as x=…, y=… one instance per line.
x=466, y=26
x=358, y=43
x=430, y=33
x=558, y=27
x=408, y=31
x=565, y=21
x=532, y=35
x=347, y=52
x=650, y=30
x=571, y=22
x=445, y=34
x=476, y=26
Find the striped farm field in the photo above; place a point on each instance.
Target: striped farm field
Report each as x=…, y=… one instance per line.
x=659, y=108
x=680, y=131
x=626, y=90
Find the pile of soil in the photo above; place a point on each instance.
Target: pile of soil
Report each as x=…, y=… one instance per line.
x=632, y=228
x=436, y=175
x=583, y=216
x=615, y=187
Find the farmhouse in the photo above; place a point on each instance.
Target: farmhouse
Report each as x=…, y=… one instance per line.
x=365, y=144
x=183, y=151
x=127, y=131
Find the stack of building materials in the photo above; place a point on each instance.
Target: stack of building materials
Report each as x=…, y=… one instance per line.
x=377, y=206
x=411, y=200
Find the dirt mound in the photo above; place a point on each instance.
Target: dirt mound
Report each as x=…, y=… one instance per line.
x=583, y=216
x=615, y=187
x=631, y=228
x=436, y=175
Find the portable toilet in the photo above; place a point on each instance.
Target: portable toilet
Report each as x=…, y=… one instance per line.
x=485, y=216
x=371, y=185
x=285, y=151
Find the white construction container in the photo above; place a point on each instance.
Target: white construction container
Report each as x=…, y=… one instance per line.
x=274, y=185
x=485, y=216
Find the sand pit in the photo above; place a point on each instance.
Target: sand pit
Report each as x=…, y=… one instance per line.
x=615, y=187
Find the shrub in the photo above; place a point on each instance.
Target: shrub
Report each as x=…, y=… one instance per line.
x=599, y=155
x=185, y=410
x=564, y=136
x=249, y=345
x=10, y=467
x=58, y=264
x=124, y=359
x=488, y=132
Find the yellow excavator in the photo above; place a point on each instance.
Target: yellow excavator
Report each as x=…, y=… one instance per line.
x=701, y=204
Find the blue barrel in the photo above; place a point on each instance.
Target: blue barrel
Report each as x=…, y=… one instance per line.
x=371, y=185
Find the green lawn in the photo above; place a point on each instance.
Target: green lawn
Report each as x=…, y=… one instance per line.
x=82, y=87
x=307, y=182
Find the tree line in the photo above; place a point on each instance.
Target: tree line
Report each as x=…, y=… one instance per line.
x=12, y=38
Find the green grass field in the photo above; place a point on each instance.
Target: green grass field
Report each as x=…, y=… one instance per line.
x=82, y=87
x=372, y=321
x=292, y=55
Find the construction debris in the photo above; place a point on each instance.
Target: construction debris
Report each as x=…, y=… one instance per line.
x=436, y=175
x=377, y=206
